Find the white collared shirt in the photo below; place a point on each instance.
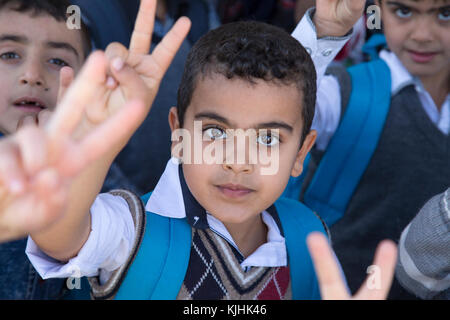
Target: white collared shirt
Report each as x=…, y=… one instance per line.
x=328, y=105
x=112, y=234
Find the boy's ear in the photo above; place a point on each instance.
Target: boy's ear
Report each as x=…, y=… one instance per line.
x=174, y=123
x=310, y=139
x=173, y=119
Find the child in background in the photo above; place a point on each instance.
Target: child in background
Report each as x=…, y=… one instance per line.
x=409, y=163
x=227, y=211
x=38, y=57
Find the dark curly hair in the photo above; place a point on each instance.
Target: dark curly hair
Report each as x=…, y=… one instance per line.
x=54, y=8
x=251, y=50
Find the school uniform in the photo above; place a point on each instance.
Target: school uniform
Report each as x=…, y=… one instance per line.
x=216, y=269
x=409, y=165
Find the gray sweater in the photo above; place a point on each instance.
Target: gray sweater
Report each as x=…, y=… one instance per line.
x=423, y=266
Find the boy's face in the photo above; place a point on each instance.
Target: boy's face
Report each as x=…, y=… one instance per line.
x=235, y=192
x=418, y=32
x=32, y=52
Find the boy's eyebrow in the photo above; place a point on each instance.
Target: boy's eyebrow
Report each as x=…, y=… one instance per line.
x=50, y=44
x=275, y=125
x=399, y=4
x=211, y=115
x=264, y=125
x=62, y=45
x=14, y=38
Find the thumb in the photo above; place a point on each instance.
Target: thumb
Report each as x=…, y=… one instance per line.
x=131, y=84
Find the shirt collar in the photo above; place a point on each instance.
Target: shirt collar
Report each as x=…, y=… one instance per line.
x=400, y=76
x=172, y=198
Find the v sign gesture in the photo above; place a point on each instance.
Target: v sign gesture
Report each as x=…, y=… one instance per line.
x=37, y=165
x=332, y=286
x=134, y=73
x=93, y=122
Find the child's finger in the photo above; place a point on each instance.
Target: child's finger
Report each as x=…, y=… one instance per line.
x=66, y=76
x=165, y=50
x=117, y=129
x=80, y=95
x=141, y=38
x=36, y=210
x=331, y=284
x=12, y=175
x=26, y=121
x=115, y=51
x=131, y=84
x=32, y=144
x=378, y=283
x=48, y=186
x=44, y=117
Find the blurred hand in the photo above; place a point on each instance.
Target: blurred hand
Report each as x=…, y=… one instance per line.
x=332, y=285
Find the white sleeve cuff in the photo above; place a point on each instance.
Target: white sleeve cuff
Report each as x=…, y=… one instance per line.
x=107, y=248
x=323, y=50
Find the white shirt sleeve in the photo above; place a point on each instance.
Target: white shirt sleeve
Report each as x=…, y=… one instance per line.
x=322, y=51
x=107, y=248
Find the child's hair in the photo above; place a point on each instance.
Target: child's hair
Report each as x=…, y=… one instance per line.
x=251, y=50
x=54, y=8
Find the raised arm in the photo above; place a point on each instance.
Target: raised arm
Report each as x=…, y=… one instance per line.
x=323, y=31
x=38, y=165
x=119, y=76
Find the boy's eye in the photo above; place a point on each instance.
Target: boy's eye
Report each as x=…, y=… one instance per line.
x=214, y=133
x=58, y=62
x=268, y=139
x=9, y=56
x=403, y=12
x=444, y=15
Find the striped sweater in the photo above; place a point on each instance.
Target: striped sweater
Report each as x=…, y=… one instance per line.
x=424, y=251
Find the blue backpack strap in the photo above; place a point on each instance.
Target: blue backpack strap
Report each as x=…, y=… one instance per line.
x=160, y=265
x=297, y=222
x=354, y=143
x=374, y=44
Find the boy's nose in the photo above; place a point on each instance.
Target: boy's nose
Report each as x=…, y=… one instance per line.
x=238, y=168
x=422, y=32
x=238, y=154
x=32, y=75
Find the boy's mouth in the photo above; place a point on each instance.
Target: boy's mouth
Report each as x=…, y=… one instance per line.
x=421, y=57
x=29, y=104
x=234, y=190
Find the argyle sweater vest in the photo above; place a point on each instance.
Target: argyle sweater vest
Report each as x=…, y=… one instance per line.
x=214, y=273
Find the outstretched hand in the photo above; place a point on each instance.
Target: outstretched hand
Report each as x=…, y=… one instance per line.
x=332, y=285
x=337, y=17
x=37, y=165
x=112, y=96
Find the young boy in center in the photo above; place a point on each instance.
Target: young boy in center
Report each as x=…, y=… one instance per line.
x=207, y=231
x=382, y=127
x=37, y=51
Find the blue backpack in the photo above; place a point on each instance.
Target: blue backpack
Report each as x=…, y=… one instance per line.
x=353, y=144
x=160, y=265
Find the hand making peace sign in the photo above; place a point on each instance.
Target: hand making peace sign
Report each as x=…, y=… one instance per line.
x=331, y=282
x=38, y=165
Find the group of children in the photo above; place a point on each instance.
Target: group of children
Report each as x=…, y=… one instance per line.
x=378, y=135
